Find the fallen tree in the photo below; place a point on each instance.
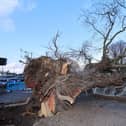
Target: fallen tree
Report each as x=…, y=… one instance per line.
x=56, y=87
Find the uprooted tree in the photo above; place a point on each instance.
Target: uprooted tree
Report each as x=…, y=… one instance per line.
x=56, y=86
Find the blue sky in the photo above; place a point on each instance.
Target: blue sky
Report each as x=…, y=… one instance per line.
x=31, y=24
x=32, y=28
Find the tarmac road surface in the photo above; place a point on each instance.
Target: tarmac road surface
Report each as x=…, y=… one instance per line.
x=89, y=111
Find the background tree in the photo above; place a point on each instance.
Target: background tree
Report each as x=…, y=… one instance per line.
x=53, y=49
x=108, y=20
x=26, y=56
x=122, y=3
x=117, y=52
x=82, y=53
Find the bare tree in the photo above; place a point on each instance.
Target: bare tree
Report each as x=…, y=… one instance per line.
x=25, y=56
x=82, y=53
x=53, y=49
x=122, y=3
x=108, y=20
x=117, y=52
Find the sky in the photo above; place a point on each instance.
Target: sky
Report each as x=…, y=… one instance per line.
x=31, y=24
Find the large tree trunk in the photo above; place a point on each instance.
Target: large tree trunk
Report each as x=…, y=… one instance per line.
x=57, y=88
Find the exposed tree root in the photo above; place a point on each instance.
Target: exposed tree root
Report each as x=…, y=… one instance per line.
x=57, y=88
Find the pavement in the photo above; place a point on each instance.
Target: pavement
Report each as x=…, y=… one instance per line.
x=89, y=111
x=13, y=98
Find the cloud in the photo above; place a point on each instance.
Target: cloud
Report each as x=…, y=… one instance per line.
x=7, y=9
x=8, y=6
x=14, y=67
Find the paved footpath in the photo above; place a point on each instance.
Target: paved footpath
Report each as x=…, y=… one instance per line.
x=14, y=98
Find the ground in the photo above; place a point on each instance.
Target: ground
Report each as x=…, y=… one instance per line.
x=87, y=111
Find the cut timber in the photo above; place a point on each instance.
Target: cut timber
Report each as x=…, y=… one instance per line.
x=51, y=103
x=47, y=108
x=64, y=69
x=65, y=98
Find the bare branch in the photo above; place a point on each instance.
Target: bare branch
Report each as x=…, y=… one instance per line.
x=117, y=52
x=82, y=53
x=55, y=43
x=104, y=20
x=124, y=21
x=108, y=32
x=53, y=48
x=27, y=56
x=122, y=3
x=115, y=35
x=92, y=24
